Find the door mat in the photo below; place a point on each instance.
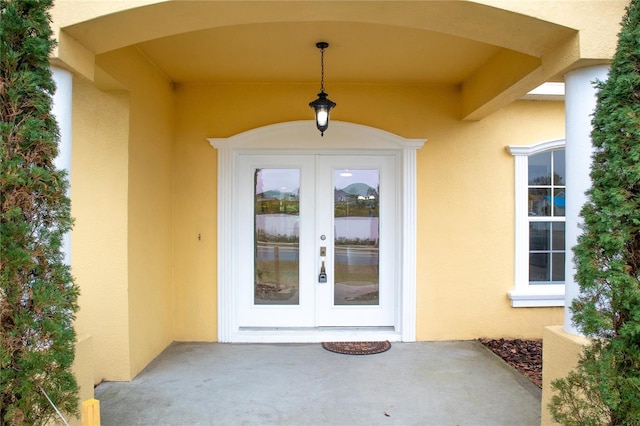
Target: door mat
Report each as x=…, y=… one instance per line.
x=357, y=348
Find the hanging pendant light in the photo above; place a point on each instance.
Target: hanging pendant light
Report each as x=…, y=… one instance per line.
x=322, y=105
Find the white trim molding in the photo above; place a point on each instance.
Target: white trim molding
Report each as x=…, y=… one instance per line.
x=62, y=110
x=580, y=103
x=525, y=294
x=302, y=137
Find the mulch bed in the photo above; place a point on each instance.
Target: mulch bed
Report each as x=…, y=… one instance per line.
x=523, y=355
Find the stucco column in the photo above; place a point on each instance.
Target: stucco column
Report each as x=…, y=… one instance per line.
x=61, y=109
x=580, y=103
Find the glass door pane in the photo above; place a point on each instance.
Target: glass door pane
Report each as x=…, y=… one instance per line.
x=356, y=237
x=277, y=236
x=275, y=277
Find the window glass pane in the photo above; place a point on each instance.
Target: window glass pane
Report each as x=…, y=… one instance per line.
x=539, y=202
x=558, y=236
x=540, y=169
x=558, y=202
x=276, y=247
x=539, y=267
x=559, y=177
x=356, y=223
x=539, y=236
x=557, y=273
x=546, y=198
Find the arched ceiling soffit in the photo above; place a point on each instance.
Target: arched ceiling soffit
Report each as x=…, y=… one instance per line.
x=467, y=20
x=492, y=54
x=470, y=21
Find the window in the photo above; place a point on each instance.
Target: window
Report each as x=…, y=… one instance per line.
x=546, y=217
x=540, y=224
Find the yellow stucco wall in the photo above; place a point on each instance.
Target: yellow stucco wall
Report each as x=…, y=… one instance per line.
x=83, y=372
x=122, y=194
x=150, y=273
x=561, y=352
x=465, y=197
x=99, y=194
x=466, y=224
x=195, y=227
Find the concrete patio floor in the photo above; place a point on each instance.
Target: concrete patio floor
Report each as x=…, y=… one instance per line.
x=423, y=383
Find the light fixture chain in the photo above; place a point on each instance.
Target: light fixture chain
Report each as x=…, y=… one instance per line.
x=321, y=70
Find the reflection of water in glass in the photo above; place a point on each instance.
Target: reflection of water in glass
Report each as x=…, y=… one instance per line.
x=356, y=225
x=276, y=246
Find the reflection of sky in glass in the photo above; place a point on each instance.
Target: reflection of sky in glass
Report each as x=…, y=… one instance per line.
x=369, y=177
x=283, y=180
x=288, y=180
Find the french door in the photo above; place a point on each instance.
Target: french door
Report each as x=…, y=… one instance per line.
x=318, y=240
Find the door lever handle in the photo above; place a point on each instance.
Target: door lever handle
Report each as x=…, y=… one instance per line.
x=322, y=278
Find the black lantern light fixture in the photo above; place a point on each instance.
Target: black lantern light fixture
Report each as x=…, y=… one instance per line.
x=322, y=105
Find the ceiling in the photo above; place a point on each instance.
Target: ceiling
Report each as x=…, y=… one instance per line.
x=493, y=55
x=286, y=52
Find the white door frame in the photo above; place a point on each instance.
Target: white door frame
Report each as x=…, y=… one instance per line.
x=302, y=137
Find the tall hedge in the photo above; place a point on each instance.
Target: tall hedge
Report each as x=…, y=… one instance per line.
x=605, y=386
x=37, y=293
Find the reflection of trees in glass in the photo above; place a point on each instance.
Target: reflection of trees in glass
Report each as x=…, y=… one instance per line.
x=356, y=200
x=356, y=242
x=262, y=235
x=546, y=180
x=285, y=205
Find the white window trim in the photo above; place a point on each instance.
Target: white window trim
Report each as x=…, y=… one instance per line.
x=525, y=294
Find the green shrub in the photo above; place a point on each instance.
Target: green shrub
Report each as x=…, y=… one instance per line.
x=605, y=386
x=37, y=293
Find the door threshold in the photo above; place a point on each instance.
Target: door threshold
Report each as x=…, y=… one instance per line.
x=314, y=335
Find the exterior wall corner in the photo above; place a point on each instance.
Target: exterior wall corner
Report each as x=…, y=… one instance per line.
x=560, y=354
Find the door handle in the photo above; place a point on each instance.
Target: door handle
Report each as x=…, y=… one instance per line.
x=322, y=278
